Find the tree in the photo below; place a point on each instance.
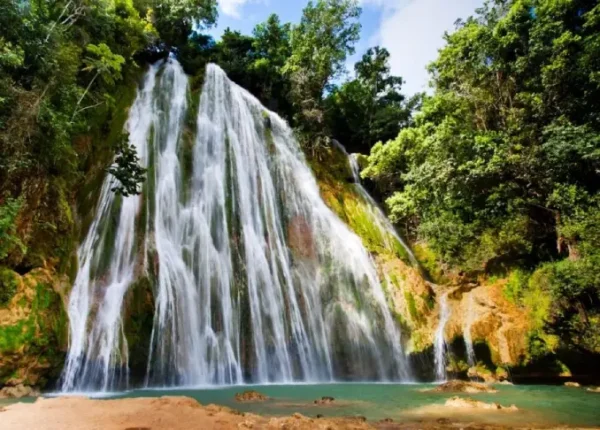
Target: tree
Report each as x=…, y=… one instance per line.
x=320, y=45
x=106, y=65
x=272, y=48
x=175, y=20
x=127, y=170
x=371, y=107
x=512, y=122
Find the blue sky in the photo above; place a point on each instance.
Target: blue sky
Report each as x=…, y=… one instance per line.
x=411, y=30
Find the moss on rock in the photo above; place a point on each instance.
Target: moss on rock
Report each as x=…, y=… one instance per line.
x=33, y=330
x=138, y=319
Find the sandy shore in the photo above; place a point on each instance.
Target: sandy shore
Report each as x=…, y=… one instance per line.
x=179, y=413
x=173, y=413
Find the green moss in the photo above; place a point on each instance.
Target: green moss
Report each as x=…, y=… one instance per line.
x=412, y=306
x=42, y=334
x=429, y=300
x=8, y=285
x=516, y=287
x=109, y=227
x=430, y=262
x=139, y=322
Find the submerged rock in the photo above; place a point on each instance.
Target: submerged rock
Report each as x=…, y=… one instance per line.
x=572, y=384
x=18, y=391
x=250, y=396
x=463, y=387
x=326, y=400
x=467, y=403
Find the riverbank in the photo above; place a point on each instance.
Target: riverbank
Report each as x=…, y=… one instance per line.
x=184, y=413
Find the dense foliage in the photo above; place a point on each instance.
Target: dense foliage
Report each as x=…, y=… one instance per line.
x=501, y=170
x=299, y=72
x=62, y=65
x=498, y=173
x=369, y=108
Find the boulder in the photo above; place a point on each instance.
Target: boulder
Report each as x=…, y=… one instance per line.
x=467, y=403
x=250, y=396
x=572, y=384
x=594, y=389
x=18, y=391
x=326, y=400
x=463, y=387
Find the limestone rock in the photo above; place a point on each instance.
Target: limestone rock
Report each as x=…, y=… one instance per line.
x=250, y=396
x=324, y=401
x=18, y=391
x=463, y=387
x=467, y=403
x=481, y=374
x=491, y=319
x=34, y=337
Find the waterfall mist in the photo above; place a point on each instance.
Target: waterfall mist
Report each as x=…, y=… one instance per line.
x=252, y=277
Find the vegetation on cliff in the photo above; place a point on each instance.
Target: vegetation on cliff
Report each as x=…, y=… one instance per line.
x=495, y=177
x=499, y=173
x=68, y=73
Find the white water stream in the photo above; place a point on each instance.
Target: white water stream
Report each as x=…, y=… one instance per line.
x=468, y=322
x=439, y=344
x=254, y=279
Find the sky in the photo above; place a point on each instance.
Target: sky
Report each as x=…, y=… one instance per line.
x=411, y=30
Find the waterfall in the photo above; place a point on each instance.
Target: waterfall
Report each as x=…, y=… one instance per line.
x=387, y=229
x=439, y=344
x=468, y=322
x=253, y=277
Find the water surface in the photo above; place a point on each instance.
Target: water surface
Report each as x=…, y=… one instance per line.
x=539, y=405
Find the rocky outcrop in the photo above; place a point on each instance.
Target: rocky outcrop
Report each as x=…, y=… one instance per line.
x=492, y=320
x=478, y=306
x=324, y=401
x=250, y=396
x=467, y=403
x=463, y=387
x=33, y=330
x=18, y=391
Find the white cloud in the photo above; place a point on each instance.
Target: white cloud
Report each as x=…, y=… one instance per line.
x=233, y=8
x=412, y=30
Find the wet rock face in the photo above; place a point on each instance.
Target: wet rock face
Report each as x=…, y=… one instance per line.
x=463, y=387
x=492, y=319
x=300, y=237
x=467, y=403
x=250, y=396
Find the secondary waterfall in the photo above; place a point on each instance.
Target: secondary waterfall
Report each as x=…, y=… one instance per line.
x=382, y=222
x=468, y=322
x=252, y=277
x=439, y=344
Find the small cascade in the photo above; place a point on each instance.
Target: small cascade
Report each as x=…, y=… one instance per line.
x=388, y=231
x=439, y=344
x=468, y=322
x=252, y=277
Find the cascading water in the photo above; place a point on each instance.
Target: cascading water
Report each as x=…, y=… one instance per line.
x=439, y=344
x=253, y=278
x=382, y=222
x=471, y=359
